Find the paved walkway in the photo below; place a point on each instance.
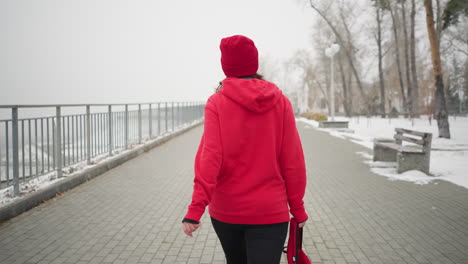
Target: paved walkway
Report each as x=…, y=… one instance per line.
x=132, y=214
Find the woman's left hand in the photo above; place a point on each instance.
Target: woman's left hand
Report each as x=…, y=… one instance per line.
x=190, y=228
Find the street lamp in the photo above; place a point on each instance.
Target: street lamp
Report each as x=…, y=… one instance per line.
x=330, y=52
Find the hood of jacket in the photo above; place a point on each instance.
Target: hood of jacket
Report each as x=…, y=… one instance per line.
x=255, y=95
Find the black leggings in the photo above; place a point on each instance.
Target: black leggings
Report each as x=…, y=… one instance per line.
x=251, y=244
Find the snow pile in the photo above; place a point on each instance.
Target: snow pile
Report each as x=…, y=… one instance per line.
x=449, y=157
x=388, y=169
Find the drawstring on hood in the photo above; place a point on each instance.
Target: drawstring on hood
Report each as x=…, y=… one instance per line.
x=256, y=95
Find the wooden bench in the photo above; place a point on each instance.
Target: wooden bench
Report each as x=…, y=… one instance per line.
x=415, y=156
x=333, y=124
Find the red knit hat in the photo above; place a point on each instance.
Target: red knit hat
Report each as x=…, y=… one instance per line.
x=239, y=56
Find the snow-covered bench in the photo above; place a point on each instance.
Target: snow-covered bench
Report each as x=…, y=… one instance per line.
x=414, y=156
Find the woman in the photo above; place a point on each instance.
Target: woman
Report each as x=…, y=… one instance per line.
x=249, y=167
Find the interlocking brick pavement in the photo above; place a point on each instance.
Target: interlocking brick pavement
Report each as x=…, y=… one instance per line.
x=132, y=214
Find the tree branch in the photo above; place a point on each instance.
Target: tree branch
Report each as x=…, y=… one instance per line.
x=348, y=55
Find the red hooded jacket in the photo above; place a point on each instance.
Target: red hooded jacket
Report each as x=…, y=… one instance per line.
x=249, y=167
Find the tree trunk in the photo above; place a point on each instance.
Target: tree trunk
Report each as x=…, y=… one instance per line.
x=440, y=111
x=415, y=99
x=397, y=55
x=348, y=54
x=438, y=21
x=350, y=91
x=379, y=45
x=407, y=59
x=465, y=88
x=345, y=89
x=350, y=70
x=325, y=96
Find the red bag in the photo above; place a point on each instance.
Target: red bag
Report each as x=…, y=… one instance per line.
x=294, y=252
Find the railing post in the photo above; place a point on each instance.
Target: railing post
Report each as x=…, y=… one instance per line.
x=14, y=122
x=126, y=126
x=88, y=134
x=159, y=119
x=165, y=116
x=7, y=154
x=194, y=111
x=110, y=130
x=202, y=110
x=189, y=111
x=139, y=123
x=150, y=117
x=178, y=114
x=36, y=143
x=58, y=142
x=172, y=115
x=1, y=161
x=182, y=114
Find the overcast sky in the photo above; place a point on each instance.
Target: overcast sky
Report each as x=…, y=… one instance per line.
x=120, y=51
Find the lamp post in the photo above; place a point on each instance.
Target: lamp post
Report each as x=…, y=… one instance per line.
x=330, y=52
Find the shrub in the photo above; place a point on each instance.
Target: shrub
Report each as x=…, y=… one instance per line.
x=315, y=116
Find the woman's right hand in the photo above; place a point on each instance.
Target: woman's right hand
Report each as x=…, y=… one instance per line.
x=302, y=224
x=189, y=228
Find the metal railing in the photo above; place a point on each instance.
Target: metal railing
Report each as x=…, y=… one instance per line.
x=31, y=147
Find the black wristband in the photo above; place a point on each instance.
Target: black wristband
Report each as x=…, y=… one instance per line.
x=186, y=220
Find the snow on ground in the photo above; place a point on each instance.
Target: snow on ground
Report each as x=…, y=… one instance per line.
x=449, y=157
x=30, y=186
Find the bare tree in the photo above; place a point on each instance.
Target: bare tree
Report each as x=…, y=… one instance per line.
x=457, y=37
x=342, y=43
x=397, y=55
x=465, y=76
x=407, y=60
x=269, y=68
x=345, y=85
x=438, y=21
x=303, y=68
x=440, y=111
x=415, y=88
x=378, y=15
x=346, y=71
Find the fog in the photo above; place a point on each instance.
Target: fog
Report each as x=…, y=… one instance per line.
x=117, y=51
